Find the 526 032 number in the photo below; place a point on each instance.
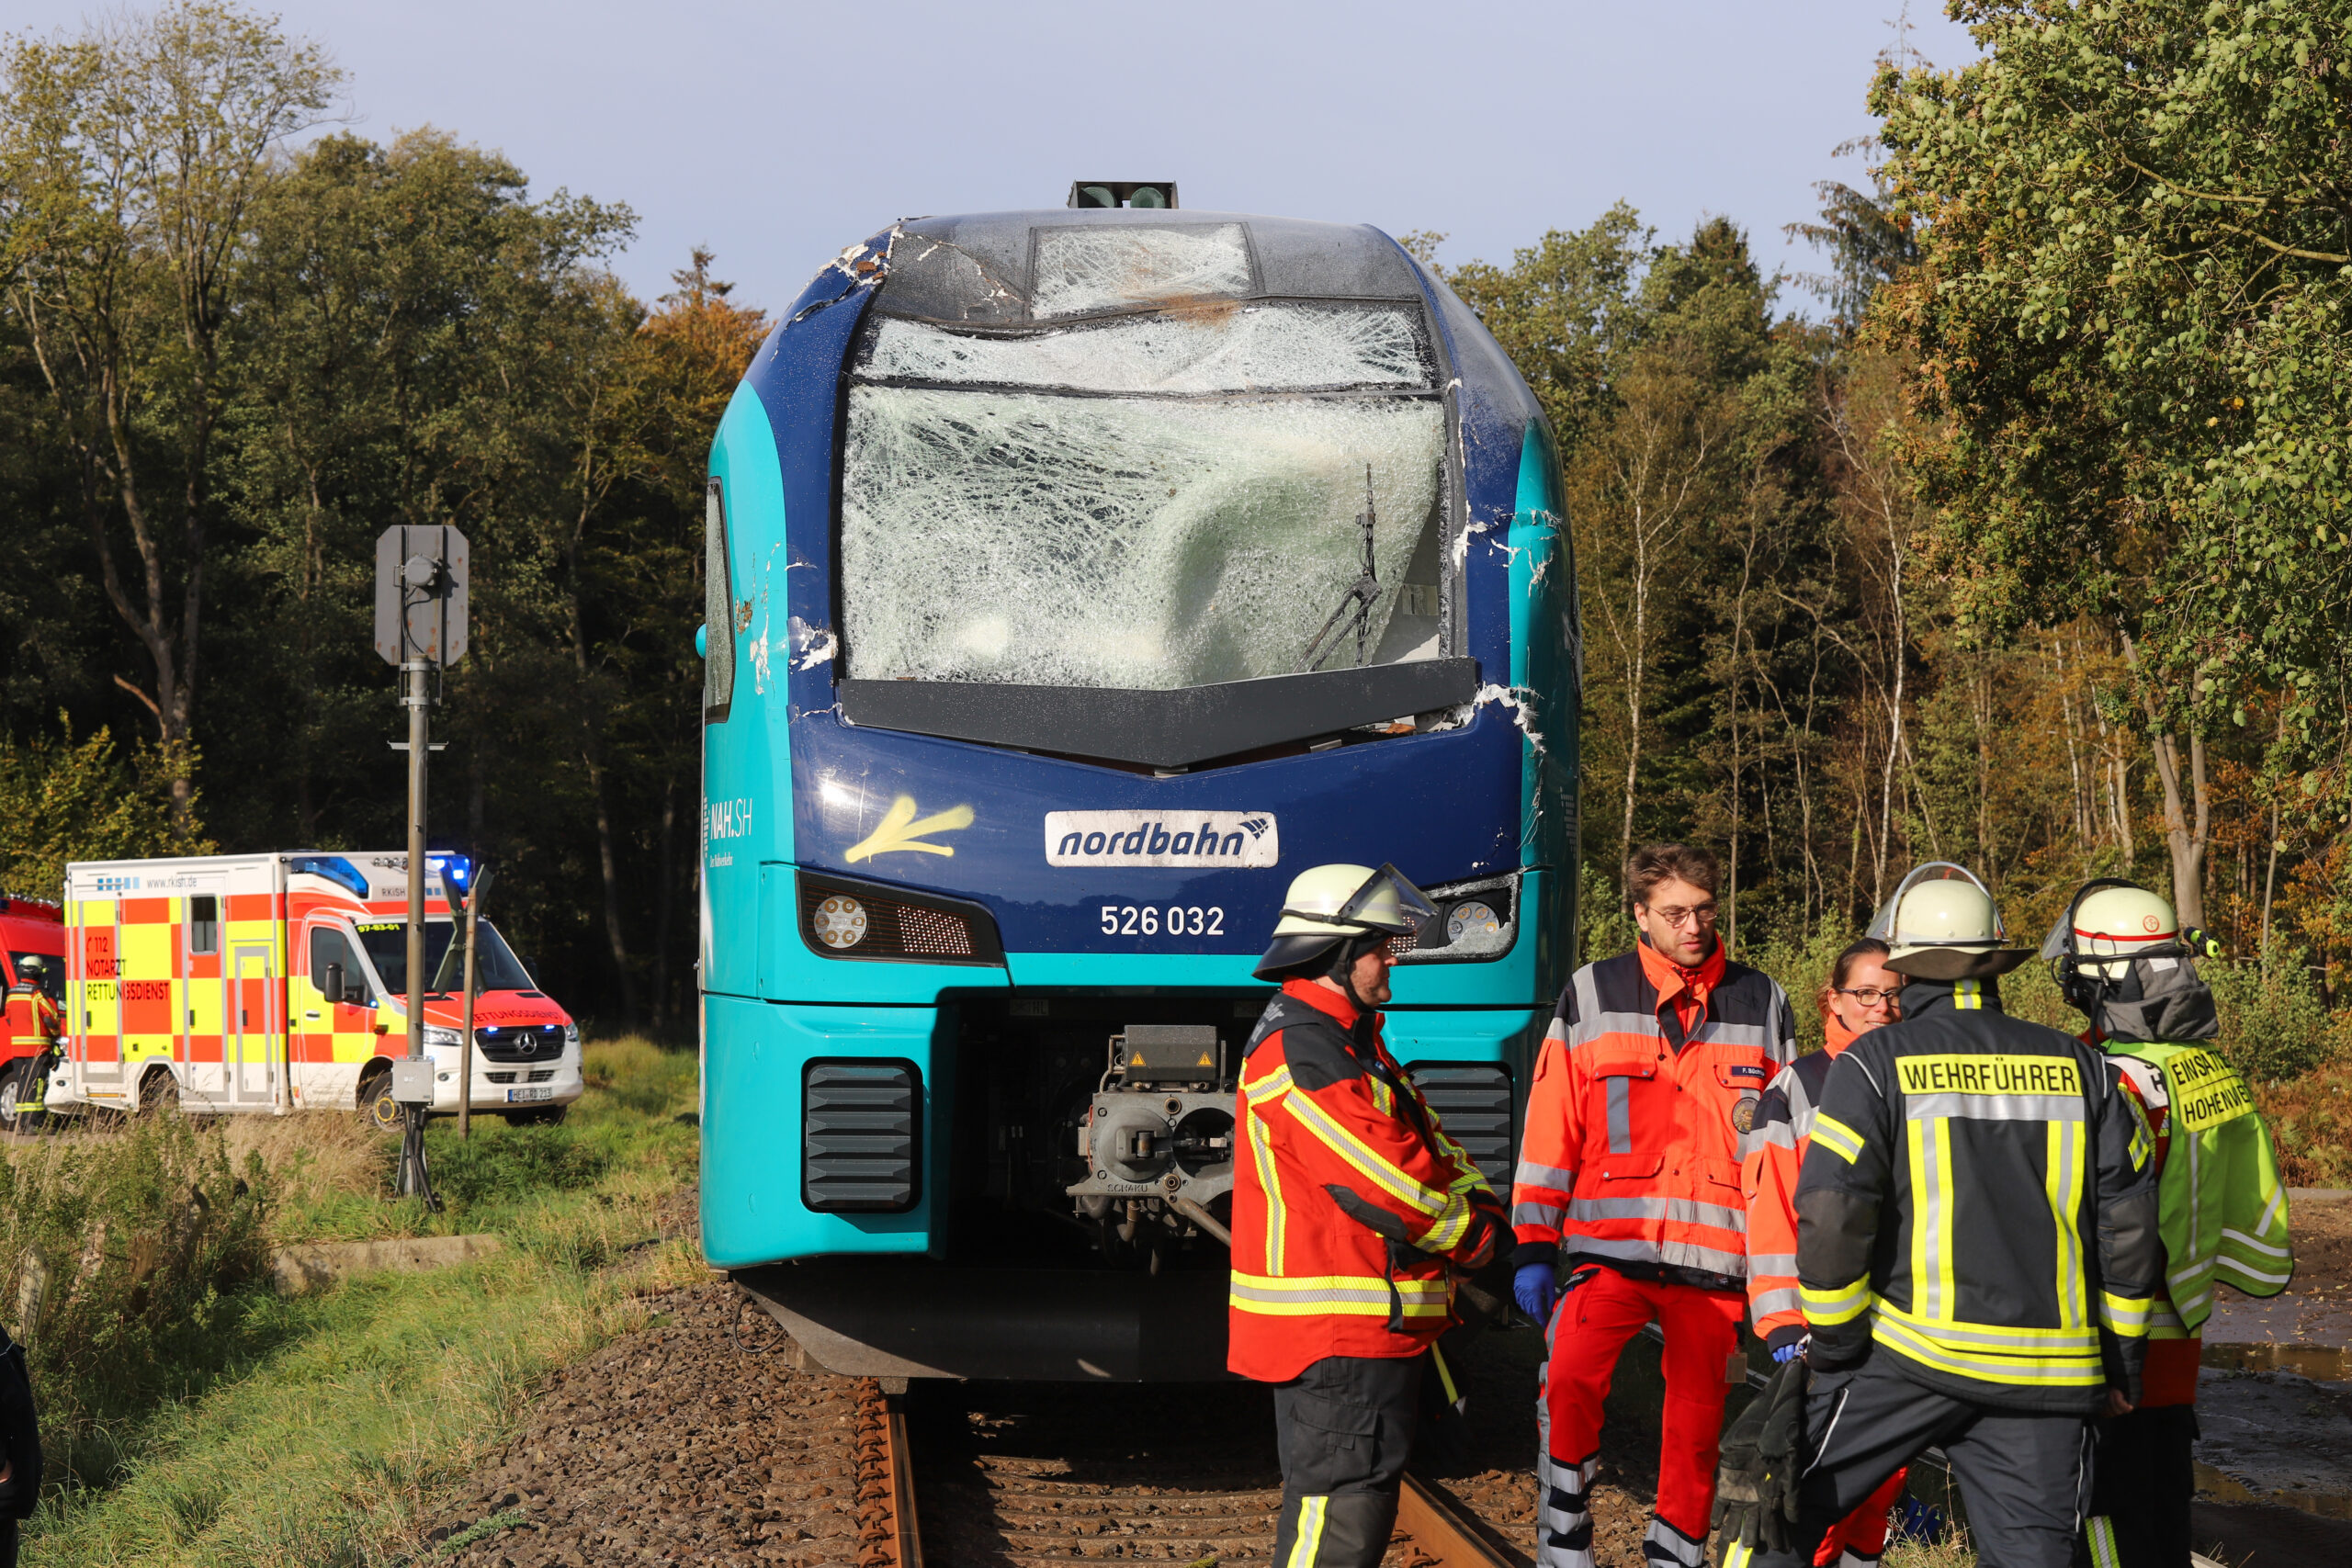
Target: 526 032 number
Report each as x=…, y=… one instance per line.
x=1154, y=919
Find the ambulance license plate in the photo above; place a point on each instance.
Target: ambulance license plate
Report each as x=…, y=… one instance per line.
x=543, y=1092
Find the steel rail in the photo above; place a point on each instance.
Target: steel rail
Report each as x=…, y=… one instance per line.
x=1443, y=1528
x=889, y=1529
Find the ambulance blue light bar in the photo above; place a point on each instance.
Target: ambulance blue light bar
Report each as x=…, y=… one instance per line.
x=335, y=869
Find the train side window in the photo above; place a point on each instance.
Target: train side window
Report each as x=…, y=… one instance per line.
x=203, y=925
x=328, y=947
x=718, y=608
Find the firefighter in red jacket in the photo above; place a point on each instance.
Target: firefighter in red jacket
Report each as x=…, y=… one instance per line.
x=1862, y=994
x=1628, y=1172
x=1351, y=1212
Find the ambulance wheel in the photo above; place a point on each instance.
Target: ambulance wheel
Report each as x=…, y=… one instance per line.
x=537, y=1116
x=158, y=1092
x=22, y=1081
x=377, y=1106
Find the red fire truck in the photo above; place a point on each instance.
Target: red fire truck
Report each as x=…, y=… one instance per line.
x=33, y=962
x=280, y=982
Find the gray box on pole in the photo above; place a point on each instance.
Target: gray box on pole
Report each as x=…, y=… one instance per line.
x=421, y=594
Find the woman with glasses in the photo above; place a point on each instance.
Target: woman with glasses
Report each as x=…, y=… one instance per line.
x=1861, y=995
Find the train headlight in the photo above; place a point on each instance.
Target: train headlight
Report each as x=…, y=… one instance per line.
x=1473, y=920
x=839, y=921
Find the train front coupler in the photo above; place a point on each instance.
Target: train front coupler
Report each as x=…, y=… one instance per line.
x=1156, y=1141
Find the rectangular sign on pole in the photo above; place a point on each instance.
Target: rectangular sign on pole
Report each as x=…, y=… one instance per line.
x=421, y=594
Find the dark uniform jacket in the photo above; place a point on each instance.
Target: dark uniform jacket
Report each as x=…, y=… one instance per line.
x=1979, y=1200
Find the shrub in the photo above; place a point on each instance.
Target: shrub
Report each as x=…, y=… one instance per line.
x=2311, y=1119
x=2274, y=1025
x=500, y=1164
x=118, y=1249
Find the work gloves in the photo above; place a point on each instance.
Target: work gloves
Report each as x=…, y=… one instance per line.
x=1756, y=1490
x=1536, y=1286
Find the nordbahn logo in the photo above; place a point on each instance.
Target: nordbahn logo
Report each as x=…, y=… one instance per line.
x=1224, y=839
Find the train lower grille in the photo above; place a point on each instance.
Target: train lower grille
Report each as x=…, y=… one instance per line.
x=1473, y=1100
x=859, y=1122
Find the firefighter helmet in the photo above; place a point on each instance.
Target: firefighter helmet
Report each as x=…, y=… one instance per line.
x=2111, y=917
x=2120, y=957
x=1330, y=905
x=1942, y=924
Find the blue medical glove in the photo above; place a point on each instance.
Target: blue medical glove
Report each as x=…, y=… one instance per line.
x=1535, y=1288
x=1792, y=1348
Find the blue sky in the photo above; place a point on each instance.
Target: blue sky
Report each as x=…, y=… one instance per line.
x=776, y=134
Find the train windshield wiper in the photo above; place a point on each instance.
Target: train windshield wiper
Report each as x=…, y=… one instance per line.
x=1360, y=596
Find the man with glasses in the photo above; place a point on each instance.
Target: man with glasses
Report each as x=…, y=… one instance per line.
x=1629, y=1173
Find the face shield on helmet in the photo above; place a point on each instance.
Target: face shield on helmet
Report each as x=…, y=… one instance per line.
x=1331, y=905
x=2114, y=920
x=2120, y=957
x=1942, y=924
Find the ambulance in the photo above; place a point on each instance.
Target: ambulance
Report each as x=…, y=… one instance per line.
x=276, y=983
x=32, y=964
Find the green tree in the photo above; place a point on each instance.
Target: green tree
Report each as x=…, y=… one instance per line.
x=133, y=157
x=66, y=800
x=2131, y=355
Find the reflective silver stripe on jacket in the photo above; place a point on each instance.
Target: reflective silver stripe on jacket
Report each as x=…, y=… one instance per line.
x=1994, y=1106
x=1689, y=1211
x=1674, y=1254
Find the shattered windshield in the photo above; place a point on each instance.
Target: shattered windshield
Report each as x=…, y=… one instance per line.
x=1213, y=491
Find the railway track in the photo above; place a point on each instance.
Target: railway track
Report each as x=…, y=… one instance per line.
x=1060, y=1476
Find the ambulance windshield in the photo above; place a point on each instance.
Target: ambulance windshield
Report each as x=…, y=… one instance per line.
x=496, y=967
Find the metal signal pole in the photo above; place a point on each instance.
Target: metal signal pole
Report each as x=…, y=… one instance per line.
x=477, y=884
x=421, y=582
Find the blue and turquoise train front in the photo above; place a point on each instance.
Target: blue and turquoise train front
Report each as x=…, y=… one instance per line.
x=1076, y=578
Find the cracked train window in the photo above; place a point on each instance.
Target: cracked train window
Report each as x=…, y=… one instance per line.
x=1194, y=490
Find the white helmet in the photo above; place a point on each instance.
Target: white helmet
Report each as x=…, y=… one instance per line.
x=2113, y=919
x=1942, y=924
x=1330, y=905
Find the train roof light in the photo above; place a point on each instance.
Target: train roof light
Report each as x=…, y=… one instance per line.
x=1122, y=193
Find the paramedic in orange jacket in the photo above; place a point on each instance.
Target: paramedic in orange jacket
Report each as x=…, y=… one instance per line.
x=1352, y=1211
x=1629, y=1173
x=1861, y=993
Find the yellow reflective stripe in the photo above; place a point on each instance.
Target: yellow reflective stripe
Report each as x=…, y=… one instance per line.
x=1450, y=1225
x=1738, y=1554
x=1261, y=1153
x=1359, y=1153
x=2041, y=1370
x=2063, y=1170
x=1444, y=1375
x=1842, y=1305
x=1958, y=1335
x=2104, y=1553
x=1929, y=1145
x=1350, y=1296
x=1310, y=1532
x=1968, y=995
x=2142, y=1144
x=1309, y=1284
x=1836, y=1137
x=2128, y=1315
x=1273, y=1085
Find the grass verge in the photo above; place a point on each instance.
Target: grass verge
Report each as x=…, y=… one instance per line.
x=312, y=1430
